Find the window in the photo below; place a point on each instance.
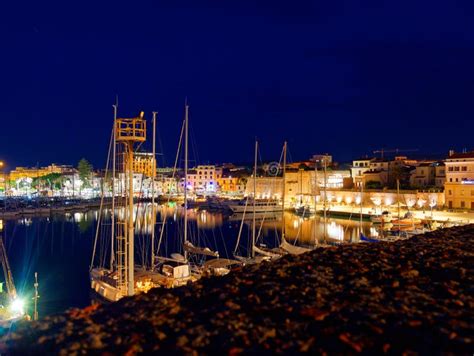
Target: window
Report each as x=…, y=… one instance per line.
x=472, y=192
x=450, y=179
x=450, y=169
x=462, y=192
x=456, y=169
x=456, y=179
x=463, y=205
x=450, y=192
x=450, y=204
x=464, y=168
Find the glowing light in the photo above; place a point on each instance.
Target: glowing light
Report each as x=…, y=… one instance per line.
x=358, y=200
x=335, y=231
x=339, y=199
x=388, y=201
x=348, y=200
x=421, y=202
x=17, y=306
x=376, y=200
x=411, y=202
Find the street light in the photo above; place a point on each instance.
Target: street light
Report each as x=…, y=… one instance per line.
x=2, y=164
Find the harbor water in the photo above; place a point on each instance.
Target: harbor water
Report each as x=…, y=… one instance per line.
x=59, y=247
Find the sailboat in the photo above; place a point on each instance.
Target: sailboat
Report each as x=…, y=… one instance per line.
x=256, y=254
x=285, y=246
x=178, y=268
x=262, y=253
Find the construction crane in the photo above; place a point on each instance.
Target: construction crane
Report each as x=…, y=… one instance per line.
x=394, y=150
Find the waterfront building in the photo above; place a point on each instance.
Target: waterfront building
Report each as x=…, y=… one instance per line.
x=459, y=186
x=319, y=159
x=231, y=185
x=266, y=187
x=379, y=173
x=143, y=163
x=440, y=174
x=202, y=179
x=167, y=185
x=428, y=174
x=359, y=167
x=36, y=172
x=300, y=185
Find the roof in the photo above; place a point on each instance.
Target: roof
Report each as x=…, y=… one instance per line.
x=462, y=155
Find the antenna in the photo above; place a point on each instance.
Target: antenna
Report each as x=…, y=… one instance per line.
x=36, y=297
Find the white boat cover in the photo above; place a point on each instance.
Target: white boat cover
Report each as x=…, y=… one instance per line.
x=221, y=263
x=188, y=246
x=265, y=253
x=292, y=249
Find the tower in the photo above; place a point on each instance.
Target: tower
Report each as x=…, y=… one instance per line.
x=128, y=132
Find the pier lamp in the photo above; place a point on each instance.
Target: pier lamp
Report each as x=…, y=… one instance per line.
x=2, y=165
x=17, y=306
x=432, y=205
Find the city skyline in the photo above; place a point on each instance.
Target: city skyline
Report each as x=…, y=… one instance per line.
x=340, y=78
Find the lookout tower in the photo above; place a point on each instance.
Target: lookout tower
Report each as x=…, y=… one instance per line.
x=128, y=132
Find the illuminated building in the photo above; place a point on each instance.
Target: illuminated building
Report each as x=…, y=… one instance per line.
x=428, y=174
x=359, y=167
x=143, y=163
x=266, y=187
x=230, y=185
x=202, y=179
x=459, y=186
x=35, y=172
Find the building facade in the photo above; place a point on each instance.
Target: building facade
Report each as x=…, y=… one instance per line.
x=459, y=186
x=36, y=172
x=143, y=163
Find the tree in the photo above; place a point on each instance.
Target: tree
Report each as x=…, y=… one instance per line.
x=85, y=171
x=371, y=184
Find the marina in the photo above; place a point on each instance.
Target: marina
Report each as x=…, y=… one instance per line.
x=59, y=247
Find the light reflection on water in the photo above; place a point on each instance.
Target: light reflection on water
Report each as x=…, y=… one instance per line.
x=59, y=247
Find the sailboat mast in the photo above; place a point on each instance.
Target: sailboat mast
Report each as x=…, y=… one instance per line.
x=360, y=219
x=130, y=234
x=283, y=195
x=186, y=178
x=112, y=216
x=153, y=177
x=398, y=203
x=254, y=198
x=325, y=199
x=315, y=201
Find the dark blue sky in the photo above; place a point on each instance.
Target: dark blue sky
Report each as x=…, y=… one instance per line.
x=344, y=77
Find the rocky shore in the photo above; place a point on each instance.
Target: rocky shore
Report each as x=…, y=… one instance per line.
x=413, y=296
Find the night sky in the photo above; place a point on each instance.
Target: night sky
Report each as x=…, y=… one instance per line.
x=344, y=77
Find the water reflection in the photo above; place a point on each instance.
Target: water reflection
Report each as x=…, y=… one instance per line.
x=59, y=247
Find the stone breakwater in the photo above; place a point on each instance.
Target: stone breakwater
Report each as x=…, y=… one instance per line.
x=408, y=296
